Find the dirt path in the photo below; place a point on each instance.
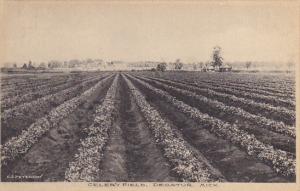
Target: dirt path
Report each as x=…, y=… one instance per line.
x=131, y=154
x=48, y=159
x=235, y=164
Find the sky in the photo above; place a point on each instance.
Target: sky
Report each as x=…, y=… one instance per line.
x=42, y=31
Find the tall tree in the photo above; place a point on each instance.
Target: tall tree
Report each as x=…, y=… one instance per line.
x=178, y=65
x=217, y=57
x=248, y=65
x=161, y=67
x=24, y=66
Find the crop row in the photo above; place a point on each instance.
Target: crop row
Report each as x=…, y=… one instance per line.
x=276, y=113
x=20, y=144
x=85, y=166
x=13, y=101
x=27, y=83
x=21, y=91
x=45, y=102
x=8, y=79
x=223, y=83
x=276, y=101
x=220, y=107
x=251, y=89
x=272, y=81
x=276, y=84
x=12, y=91
x=279, y=160
x=183, y=160
x=23, y=79
x=19, y=82
x=33, y=87
x=266, y=87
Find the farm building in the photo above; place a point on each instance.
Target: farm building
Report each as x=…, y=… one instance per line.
x=209, y=69
x=225, y=68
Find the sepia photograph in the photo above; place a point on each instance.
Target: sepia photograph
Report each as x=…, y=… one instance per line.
x=167, y=94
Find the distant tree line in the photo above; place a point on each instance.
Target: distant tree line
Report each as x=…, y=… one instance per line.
x=52, y=64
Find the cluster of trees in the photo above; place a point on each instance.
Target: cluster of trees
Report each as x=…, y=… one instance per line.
x=161, y=67
x=72, y=63
x=29, y=66
x=217, y=61
x=59, y=64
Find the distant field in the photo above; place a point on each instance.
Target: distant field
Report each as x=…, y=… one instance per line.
x=148, y=126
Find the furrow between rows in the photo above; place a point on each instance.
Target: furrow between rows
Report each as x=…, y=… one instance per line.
x=87, y=160
x=279, y=160
x=19, y=145
x=189, y=167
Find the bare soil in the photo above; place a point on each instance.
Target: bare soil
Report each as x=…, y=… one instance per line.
x=131, y=154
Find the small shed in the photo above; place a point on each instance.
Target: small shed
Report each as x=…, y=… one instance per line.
x=225, y=68
x=210, y=69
